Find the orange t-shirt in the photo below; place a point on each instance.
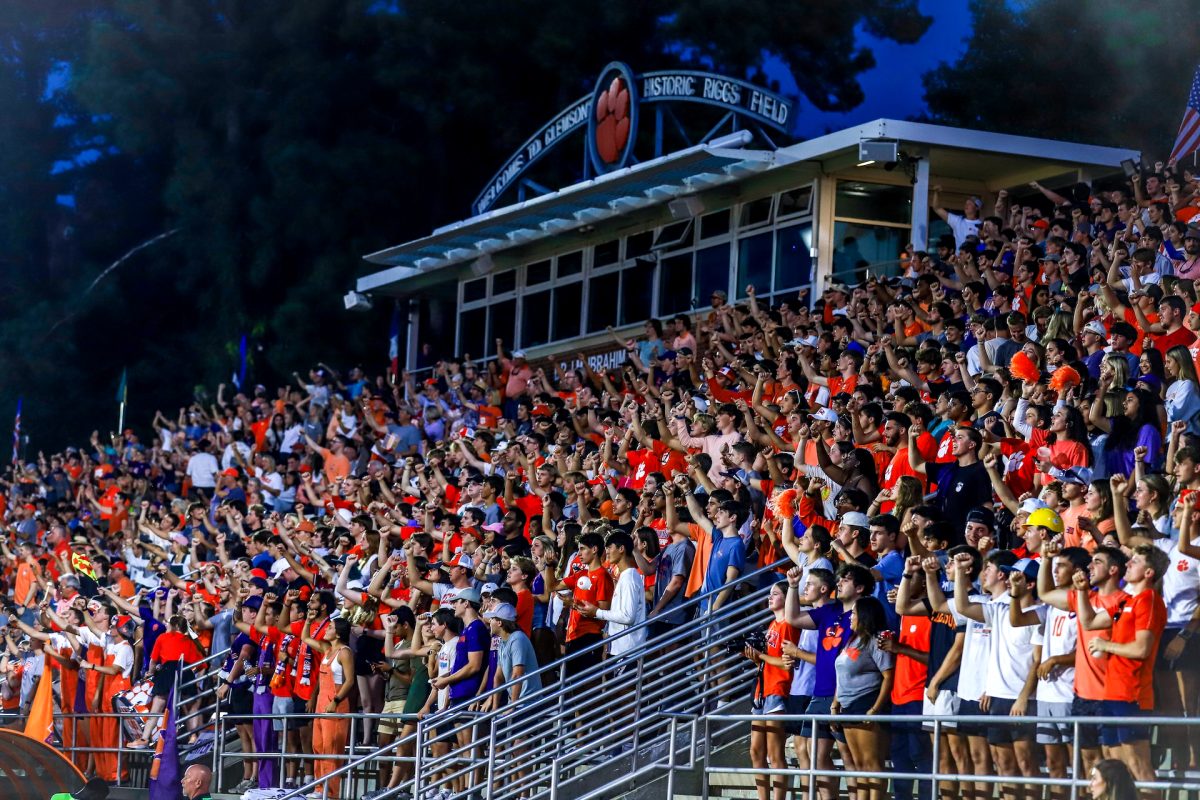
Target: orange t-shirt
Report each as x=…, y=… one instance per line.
x=593, y=586
x=776, y=681
x=1090, y=672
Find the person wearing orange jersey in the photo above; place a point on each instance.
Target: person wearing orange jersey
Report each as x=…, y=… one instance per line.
x=335, y=684
x=768, y=738
x=114, y=674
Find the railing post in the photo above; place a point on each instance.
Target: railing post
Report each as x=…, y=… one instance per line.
x=1076, y=757
x=417, y=749
x=934, y=767
x=670, y=761
x=120, y=741
x=218, y=741
x=554, y=779
x=282, y=750
x=704, y=769
x=637, y=713
x=349, y=743
x=812, y=760
x=491, y=766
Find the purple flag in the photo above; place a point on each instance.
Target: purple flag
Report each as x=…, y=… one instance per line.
x=165, y=776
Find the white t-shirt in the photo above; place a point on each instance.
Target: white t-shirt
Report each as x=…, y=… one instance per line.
x=973, y=669
x=1011, y=653
x=122, y=655
x=1057, y=636
x=202, y=468
x=804, y=676
x=227, y=459
x=445, y=661
x=962, y=227
x=1181, y=583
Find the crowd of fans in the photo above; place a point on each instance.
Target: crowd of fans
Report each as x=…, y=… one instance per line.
x=981, y=472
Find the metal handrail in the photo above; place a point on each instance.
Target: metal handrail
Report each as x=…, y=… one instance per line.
x=934, y=776
x=551, y=695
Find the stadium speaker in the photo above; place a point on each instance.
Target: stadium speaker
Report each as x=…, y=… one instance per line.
x=686, y=207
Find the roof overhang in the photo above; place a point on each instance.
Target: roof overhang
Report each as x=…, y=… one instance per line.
x=656, y=182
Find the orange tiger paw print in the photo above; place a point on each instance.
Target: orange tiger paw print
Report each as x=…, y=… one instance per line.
x=612, y=121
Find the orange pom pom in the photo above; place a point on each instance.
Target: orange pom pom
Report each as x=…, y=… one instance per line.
x=1022, y=368
x=1064, y=378
x=785, y=503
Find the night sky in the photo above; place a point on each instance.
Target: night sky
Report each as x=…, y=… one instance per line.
x=893, y=88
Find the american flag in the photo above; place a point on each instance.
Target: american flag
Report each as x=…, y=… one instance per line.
x=16, y=454
x=1188, y=138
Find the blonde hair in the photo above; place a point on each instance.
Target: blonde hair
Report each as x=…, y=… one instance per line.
x=1182, y=358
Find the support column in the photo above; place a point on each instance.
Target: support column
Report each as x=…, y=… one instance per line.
x=920, y=203
x=411, y=334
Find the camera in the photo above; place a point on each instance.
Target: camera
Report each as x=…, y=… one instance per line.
x=753, y=639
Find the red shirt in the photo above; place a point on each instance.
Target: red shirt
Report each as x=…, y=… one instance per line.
x=909, y=683
x=285, y=645
x=1130, y=680
x=776, y=681
x=172, y=646
x=594, y=586
x=1182, y=337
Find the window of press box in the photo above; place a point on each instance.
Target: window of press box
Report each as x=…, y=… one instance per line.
x=715, y=224
x=638, y=245
x=712, y=273
x=756, y=212
x=793, y=256
x=504, y=282
x=797, y=201
x=537, y=273
x=637, y=292
x=503, y=319
x=675, y=284
x=570, y=264
x=568, y=302
x=607, y=253
x=472, y=332
x=535, y=318
x=754, y=263
x=873, y=201
x=677, y=234
x=474, y=290
x=602, y=301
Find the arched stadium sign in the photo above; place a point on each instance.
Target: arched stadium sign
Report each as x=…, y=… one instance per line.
x=610, y=116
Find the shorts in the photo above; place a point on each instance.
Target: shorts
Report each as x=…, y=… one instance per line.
x=864, y=704
x=1054, y=732
x=795, y=705
x=241, y=703
x=1008, y=732
x=288, y=706
x=1089, y=735
x=819, y=705
x=765, y=706
x=970, y=708
x=946, y=705
x=164, y=680
x=1191, y=652
x=579, y=661
x=392, y=726
x=1113, y=735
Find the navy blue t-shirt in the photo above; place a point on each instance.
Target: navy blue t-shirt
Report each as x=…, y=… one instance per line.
x=833, y=631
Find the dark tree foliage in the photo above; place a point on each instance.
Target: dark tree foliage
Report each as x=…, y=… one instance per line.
x=282, y=141
x=1100, y=72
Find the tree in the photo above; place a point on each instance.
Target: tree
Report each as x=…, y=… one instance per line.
x=1100, y=72
x=283, y=140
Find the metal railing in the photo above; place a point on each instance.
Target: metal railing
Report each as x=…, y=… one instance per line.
x=563, y=738
x=703, y=727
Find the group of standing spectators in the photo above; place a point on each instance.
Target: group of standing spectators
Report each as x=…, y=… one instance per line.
x=979, y=475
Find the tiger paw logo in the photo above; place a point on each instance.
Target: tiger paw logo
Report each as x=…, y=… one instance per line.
x=612, y=127
x=833, y=637
x=612, y=120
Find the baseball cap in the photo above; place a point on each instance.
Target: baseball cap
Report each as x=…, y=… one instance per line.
x=461, y=560
x=470, y=594
x=982, y=516
x=497, y=527
x=1032, y=504
x=278, y=567
x=856, y=519
x=488, y=588
x=503, y=611
x=1026, y=566
x=826, y=415
x=1079, y=475
x=1096, y=327
x=518, y=353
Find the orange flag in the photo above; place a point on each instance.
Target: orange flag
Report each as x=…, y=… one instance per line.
x=40, y=724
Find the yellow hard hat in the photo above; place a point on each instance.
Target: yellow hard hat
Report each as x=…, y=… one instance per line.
x=1046, y=518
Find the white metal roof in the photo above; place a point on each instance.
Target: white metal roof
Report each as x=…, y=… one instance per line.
x=688, y=171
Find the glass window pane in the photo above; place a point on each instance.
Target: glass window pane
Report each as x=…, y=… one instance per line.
x=568, y=300
x=863, y=247
x=873, y=201
x=797, y=201
x=638, y=245
x=474, y=290
x=793, y=257
x=754, y=263
x=570, y=264
x=472, y=332
x=602, y=301
x=677, y=234
x=675, y=284
x=503, y=317
x=535, y=319
x=715, y=224
x=755, y=212
x=504, y=282
x=537, y=273
x=637, y=287
x=607, y=253
x=712, y=271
